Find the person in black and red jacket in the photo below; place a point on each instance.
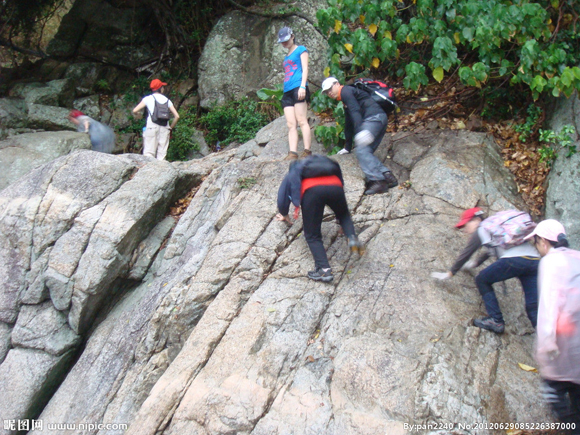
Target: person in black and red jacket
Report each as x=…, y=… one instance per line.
x=312, y=184
x=365, y=123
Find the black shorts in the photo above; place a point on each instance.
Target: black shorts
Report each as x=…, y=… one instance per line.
x=290, y=98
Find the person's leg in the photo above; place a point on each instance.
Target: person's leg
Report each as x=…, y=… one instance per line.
x=563, y=399
x=529, y=280
x=369, y=163
x=496, y=272
x=163, y=141
x=290, y=115
x=312, y=213
x=300, y=110
x=337, y=202
x=150, y=141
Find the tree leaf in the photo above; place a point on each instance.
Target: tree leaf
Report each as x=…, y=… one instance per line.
x=348, y=47
x=456, y=37
x=326, y=71
x=438, y=74
x=337, y=26
x=373, y=29
x=527, y=368
x=388, y=35
x=376, y=62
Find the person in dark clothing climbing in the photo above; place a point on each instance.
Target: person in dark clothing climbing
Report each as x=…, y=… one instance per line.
x=312, y=184
x=365, y=123
x=519, y=261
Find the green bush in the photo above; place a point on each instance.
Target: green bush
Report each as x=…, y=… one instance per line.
x=533, y=44
x=238, y=121
x=181, y=143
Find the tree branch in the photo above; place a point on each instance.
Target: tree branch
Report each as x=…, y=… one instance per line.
x=6, y=43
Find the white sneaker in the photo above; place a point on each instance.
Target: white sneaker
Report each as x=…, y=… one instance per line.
x=343, y=151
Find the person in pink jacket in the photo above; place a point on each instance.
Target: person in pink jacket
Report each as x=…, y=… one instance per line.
x=558, y=328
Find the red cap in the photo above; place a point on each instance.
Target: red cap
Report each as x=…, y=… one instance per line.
x=75, y=113
x=467, y=215
x=156, y=84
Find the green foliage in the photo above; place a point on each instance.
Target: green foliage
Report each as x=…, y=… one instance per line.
x=527, y=129
x=102, y=86
x=272, y=97
x=563, y=139
x=247, y=183
x=236, y=121
x=532, y=44
x=332, y=137
x=138, y=89
x=181, y=143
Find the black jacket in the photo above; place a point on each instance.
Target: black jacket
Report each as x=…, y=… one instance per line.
x=358, y=106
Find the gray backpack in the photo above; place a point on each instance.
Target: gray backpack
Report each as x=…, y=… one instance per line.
x=161, y=113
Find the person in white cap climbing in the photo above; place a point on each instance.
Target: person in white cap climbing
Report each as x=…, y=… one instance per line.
x=296, y=93
x=558, y=330
x=503, y=236
x=365, y=123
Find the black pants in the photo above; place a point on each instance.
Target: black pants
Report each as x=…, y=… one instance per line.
x=313, y=203
x=564, y=399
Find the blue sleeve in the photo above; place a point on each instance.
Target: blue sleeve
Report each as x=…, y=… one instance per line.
x=284, y=196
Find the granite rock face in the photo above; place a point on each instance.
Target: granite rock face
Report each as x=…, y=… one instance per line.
x=211, y=326
x=563, y=194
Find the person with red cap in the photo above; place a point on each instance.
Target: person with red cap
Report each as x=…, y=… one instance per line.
x=102, y=136
x=520, y=261
x=558, y=330
x=156, y=134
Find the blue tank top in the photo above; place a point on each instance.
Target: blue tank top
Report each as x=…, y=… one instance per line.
x=293, y=69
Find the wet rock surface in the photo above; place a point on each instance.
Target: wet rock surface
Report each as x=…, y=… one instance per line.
x=219, y=331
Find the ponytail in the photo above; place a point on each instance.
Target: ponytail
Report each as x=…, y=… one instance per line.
x=561, y=243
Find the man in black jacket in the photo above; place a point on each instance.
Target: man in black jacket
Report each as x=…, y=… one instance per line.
x=367, y=122
x=313, y=183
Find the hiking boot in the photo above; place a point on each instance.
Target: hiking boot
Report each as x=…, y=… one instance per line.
x=390, y=179
x=291, y=156
x=490, y=324
x=355, y=246
x=321, y=275
x=305, y=154
x=377, y=187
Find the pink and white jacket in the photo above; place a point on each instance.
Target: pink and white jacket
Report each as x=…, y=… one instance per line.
x=559, y=316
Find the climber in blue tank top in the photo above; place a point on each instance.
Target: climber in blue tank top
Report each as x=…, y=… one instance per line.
x=296, y=93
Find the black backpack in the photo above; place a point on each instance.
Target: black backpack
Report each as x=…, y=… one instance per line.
x=161, y=112
x=320, y=166
x=380, y=92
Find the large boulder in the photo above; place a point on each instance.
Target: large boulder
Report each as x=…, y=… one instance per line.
x=242, y=55
x=22, y=153
x=52, y=93
x=116, y=34
x=49, y=118
x=225, y=334
x=12, y=113
x=563, y=194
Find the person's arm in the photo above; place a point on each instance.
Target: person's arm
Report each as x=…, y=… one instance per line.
x=348, y=131
x=175, y=116
x=284, y=197
x=351, y=104
x=139, y=107
x=304, y=61
x=473, y=245
x=87, y=125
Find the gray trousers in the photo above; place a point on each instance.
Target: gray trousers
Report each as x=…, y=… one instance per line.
x=366, y=142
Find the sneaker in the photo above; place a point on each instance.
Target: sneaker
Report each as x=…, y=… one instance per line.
x=291, y=156
x=390, y=179
x=355, y=246
x=342, y=151
x=321, y=275
x=490, y=324
x=377, y=187
x=305, y=154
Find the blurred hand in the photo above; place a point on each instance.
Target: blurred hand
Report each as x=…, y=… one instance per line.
x=296, y=212
x=553, y=354
x=301, y=94
x=441, y=276
x=471, y=264
x=342, y=151
x=281, y=218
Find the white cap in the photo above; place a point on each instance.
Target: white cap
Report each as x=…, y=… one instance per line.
x=328, y=83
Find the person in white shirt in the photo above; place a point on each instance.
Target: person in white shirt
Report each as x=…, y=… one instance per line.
x=156, y=134
x=558, y=331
